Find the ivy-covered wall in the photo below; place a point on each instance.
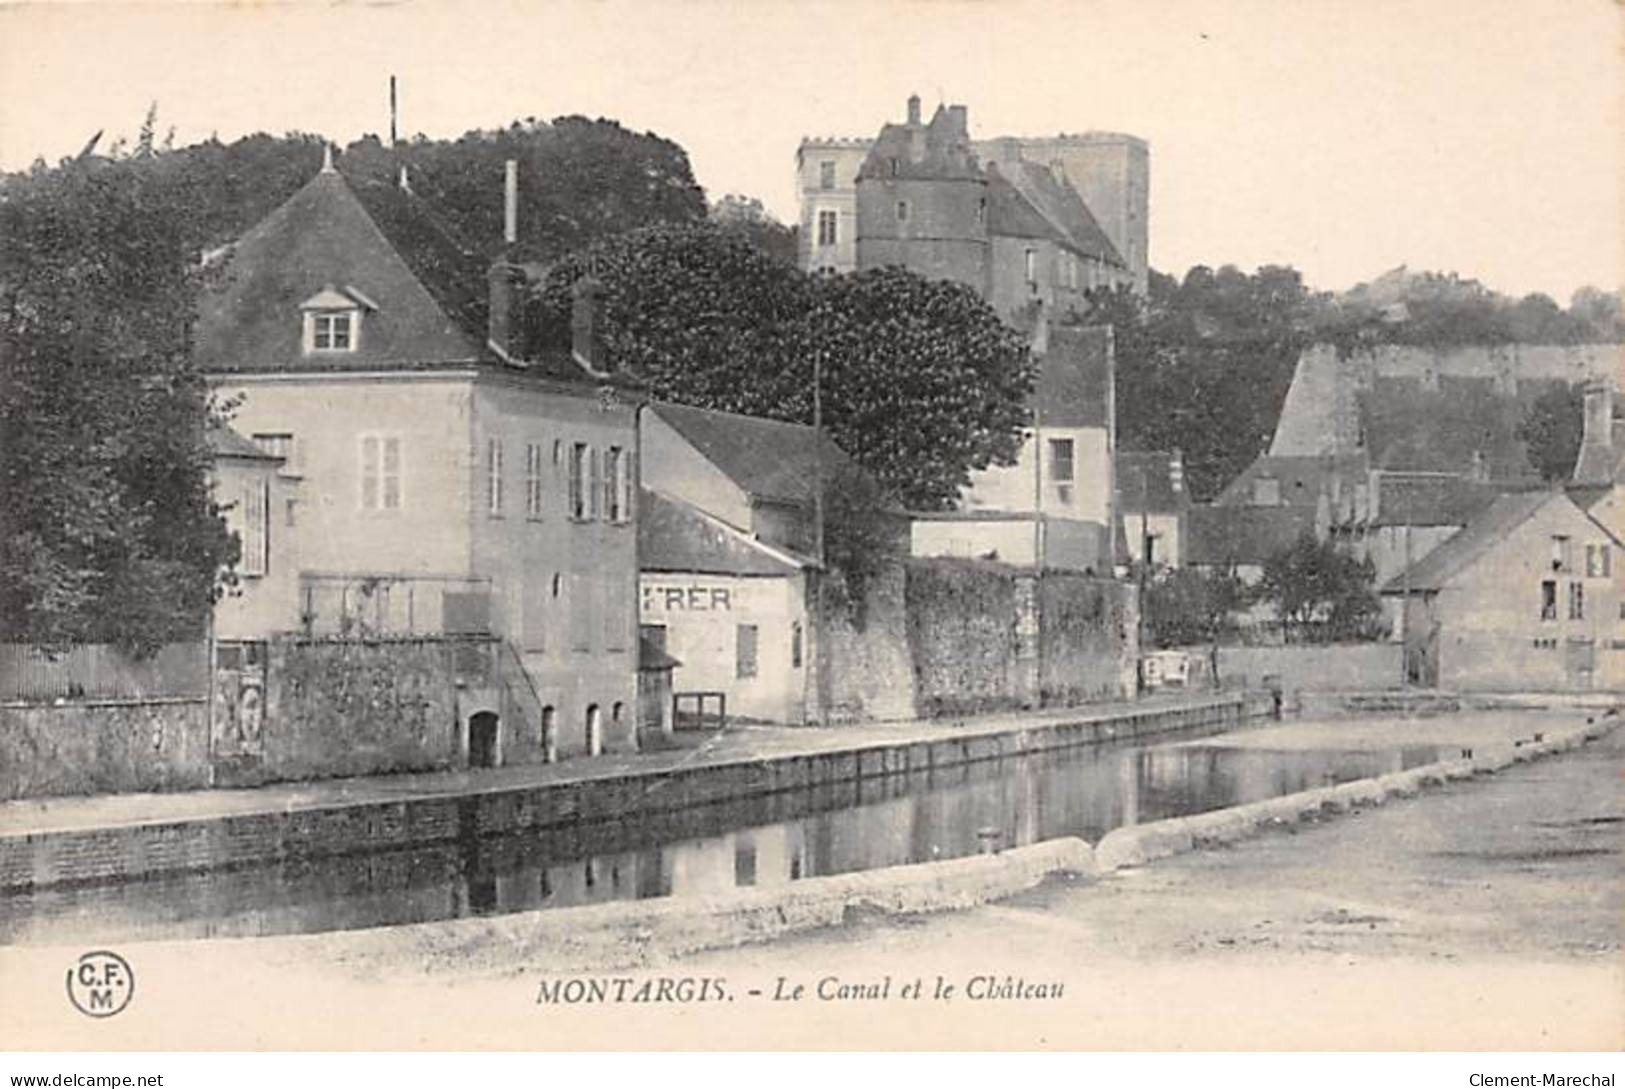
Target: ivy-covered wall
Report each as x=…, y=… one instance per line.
x=1089, y=639
x=337, y=708
x=983, y=640
x=871, y=671
x=103, y=747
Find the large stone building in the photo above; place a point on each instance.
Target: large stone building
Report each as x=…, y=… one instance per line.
x=444, y=483
x=975, y=207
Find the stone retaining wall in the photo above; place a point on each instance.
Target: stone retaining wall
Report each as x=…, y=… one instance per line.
x=55, y=858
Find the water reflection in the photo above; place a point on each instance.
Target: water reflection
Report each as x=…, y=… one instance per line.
x=759, y=842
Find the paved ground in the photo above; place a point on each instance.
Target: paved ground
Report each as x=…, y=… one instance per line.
x=735, y=743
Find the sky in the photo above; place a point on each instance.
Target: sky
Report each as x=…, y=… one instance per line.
x=1343, y=137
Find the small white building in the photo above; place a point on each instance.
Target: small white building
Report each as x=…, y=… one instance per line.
x=730, y=608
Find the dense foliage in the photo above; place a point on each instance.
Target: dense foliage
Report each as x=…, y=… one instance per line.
x=921, y=383
x=1321, y=593
x=1553, y=429
x=1204, y=364
x=110, y=533
x=1188, y=605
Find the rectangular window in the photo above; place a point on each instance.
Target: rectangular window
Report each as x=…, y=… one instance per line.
x=826, y=175
x=1577, y=601
x=795, y=645
x=1548, y=599
x=1060, y=459
x=1598, y=561
x=745, y=652
x=255, y=558
x=493, y=477
x=1031, y=264
x=1562, y=558
x=902, y=211
x=580, y=455
x=595, y=485
x=331, y=332
x=826, y=228
x=533, y=479
x=279, y=444
x=616, y=493
x=381, y=472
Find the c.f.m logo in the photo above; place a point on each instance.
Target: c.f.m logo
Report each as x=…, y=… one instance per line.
x=101, y=984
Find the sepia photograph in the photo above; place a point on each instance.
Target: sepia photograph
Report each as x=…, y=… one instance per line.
x=919, y=525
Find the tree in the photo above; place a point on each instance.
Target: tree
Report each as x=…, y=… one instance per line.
x=1187, y=606
x=110, y=531
x=1553, y=428
x=1321, y=593
x=756, y=225
x=921, y=382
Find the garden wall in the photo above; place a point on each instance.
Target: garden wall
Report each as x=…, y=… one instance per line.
x=1311, y=668
x=103, y=747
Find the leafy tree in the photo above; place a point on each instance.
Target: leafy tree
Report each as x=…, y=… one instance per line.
x=1320, y=592
x=921, y=383
x=756, y=224
x=1553, y=428
x=1600, y=311
x=110, y=533
x=1187, y=606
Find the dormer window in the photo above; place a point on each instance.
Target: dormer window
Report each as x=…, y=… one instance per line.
x=331, y=332
x=332, y=319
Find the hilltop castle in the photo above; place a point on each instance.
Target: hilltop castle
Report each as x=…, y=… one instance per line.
x=1019, y=219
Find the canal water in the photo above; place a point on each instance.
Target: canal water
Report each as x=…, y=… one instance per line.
x=762, y=841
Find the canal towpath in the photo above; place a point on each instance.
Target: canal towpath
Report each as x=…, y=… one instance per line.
x=695, y=749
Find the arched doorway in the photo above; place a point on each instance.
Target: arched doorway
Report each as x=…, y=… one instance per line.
x=482, y=740
x=595, y=730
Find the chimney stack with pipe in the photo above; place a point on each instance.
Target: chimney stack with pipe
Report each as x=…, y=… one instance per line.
x=506, y=280
x=510, y=202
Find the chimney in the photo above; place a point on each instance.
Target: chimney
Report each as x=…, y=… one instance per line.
x=504, y=322
x=510, y=202
x=959, y=116
x=913, y=110
x=1597, y=457
x=585, y=331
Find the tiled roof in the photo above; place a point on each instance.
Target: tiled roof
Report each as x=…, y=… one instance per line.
x=1220, y=536
x=676, y=537
x=1026, y=201
x=1074, y=378
x=770, y=460
x=1302, y=479
x=226, y=442
x=936, y=151
x=1492, y=525
x=1432, y=499
x=376, y=240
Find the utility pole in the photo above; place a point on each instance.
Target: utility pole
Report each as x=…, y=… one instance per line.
x=393, y=139
x=820, y=660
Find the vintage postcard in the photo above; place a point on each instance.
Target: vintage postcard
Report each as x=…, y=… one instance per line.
x=997, y=526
